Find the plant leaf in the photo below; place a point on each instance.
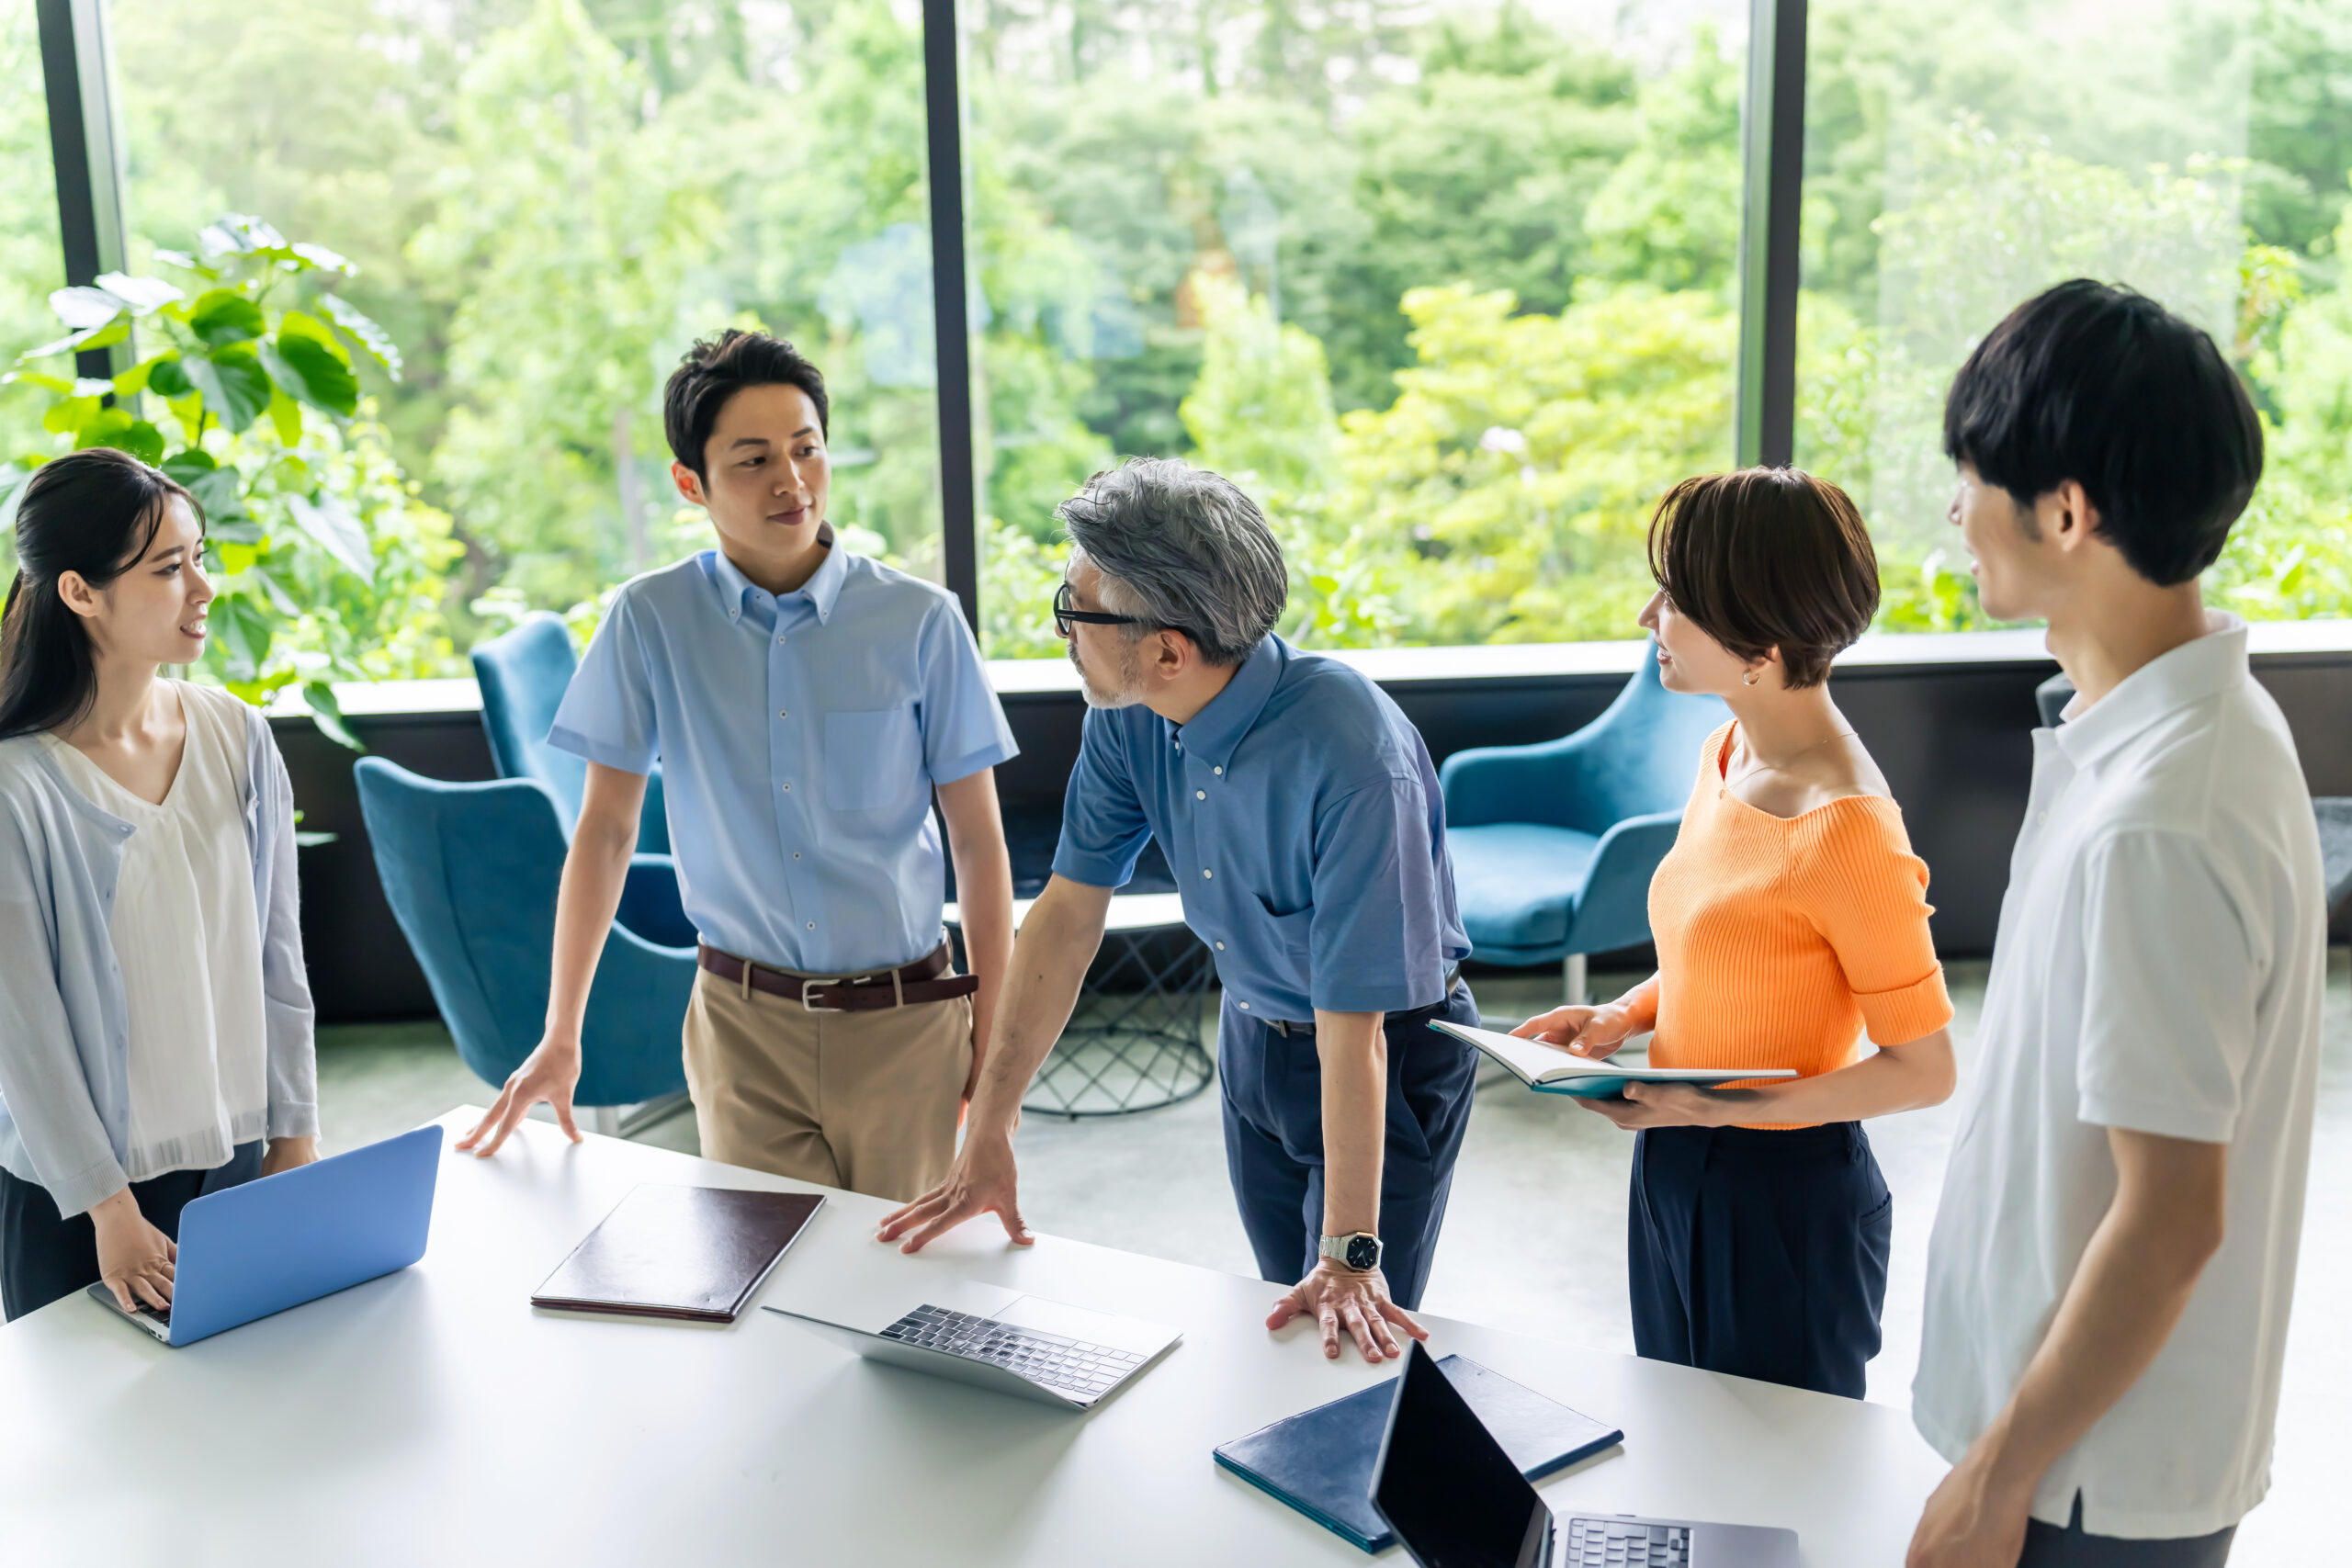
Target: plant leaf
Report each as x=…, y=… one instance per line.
x=316, y=374
x=244, y=634
x=366, y=334
x=41, y=379
x=329, y=521
x=71, y=416
x=235, y=388
x=142, y=441
x=285, y=414
x=182, y=259
x=188, y=463
x=83, y=307
x=143, y=295
x=167, y=377
x=321, y=258
x=70, y=342
x=279, y=599
x=297, y=324
x=221, y=494
x=223, y=316
x=238, y=234
x=327, y=714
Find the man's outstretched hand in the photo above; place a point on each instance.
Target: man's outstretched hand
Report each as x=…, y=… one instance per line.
x=1339, y=1298
x=983, y=1181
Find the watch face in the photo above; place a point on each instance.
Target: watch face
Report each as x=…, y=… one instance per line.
x=1363, y=1252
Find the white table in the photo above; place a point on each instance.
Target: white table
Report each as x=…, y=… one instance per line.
x=433, y=1416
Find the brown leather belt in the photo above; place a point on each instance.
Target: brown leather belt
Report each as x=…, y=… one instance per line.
x=925, y=980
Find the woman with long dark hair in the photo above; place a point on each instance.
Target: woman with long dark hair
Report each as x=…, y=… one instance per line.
x=155, y=1037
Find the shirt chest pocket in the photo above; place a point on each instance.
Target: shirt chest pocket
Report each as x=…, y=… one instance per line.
x=872, y=759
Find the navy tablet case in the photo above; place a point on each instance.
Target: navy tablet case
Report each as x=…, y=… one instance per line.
x=1320, y=1462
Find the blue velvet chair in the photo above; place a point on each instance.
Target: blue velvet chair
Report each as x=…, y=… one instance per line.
x=471, y=872
x=1553, y=844
x=523, y=674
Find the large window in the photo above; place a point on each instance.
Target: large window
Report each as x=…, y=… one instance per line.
x=31, y=264
x=1448, y=288
x=545, y=201
x=1960, y=159
x=1449, y=284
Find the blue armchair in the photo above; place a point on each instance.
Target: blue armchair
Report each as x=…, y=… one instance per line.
x=523, y=674
x=1553, y=844
x=471, y=872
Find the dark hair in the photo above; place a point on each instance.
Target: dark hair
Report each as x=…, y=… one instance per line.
x=94, y=513
x=1768, y=559
x=2109, y=389
x=716, y=368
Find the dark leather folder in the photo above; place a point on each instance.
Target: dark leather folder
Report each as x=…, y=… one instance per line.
x=690, y=1252
x=1320, y=1462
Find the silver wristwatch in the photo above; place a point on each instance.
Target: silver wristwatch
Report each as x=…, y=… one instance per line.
x=1359, y=1250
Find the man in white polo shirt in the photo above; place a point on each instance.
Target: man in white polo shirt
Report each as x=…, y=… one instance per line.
x=2108, y=1280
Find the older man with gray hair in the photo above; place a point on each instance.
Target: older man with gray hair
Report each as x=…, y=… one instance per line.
x=1299, y=811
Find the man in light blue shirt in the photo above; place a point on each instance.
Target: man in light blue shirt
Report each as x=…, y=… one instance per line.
x=805, y=704
x=1299, y=811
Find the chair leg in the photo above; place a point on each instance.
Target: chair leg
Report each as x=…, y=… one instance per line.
x=1572, y=979
x=605, y=1120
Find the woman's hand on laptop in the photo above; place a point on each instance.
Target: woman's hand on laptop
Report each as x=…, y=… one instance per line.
x=550, y=1072
x=135, y=1260
x=1580, y=1032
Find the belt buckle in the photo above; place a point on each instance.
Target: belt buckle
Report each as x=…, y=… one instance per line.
x=808, y=987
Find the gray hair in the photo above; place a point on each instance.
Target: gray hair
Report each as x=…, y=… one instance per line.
x=1183, y=548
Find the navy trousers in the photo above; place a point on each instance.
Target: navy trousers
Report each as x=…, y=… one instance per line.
x=2047, y=1546
x=44, y=1255
x=1272, y=1083
x=1760, y=1253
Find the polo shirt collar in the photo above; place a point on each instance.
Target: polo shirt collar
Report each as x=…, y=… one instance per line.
x=1216, y=730
x=822, y=589
x=2189, y=674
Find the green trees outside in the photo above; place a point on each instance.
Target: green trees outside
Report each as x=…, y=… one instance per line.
x=1452, y=293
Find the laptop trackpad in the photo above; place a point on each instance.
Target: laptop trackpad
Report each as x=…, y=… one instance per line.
x=1076, y=1323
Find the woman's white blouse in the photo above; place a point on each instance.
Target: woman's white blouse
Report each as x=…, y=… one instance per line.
x=188, y=940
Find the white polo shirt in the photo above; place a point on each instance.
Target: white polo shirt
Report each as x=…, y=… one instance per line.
x=2159, y=967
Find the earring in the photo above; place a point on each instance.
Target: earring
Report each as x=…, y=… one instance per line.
x=1748, y=678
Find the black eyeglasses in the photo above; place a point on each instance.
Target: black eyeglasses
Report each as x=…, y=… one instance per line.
x=1065, y=612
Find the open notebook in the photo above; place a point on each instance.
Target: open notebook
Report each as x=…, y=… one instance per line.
x=1550, y=1070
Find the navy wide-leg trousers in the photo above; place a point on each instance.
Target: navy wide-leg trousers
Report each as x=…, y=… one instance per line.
x=1273, y=1088
x=1760, y=1253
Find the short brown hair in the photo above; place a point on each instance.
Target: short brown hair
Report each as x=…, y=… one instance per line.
x=1767, y=558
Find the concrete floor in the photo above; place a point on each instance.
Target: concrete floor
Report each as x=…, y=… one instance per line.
x=1535, y=1233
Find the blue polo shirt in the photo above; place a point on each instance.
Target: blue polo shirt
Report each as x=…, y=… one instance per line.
x=799, y=736
x=1302, y=818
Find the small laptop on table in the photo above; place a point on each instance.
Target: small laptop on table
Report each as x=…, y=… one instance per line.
x=992, y=1337
x=1455, y=1500
x=248, y=1251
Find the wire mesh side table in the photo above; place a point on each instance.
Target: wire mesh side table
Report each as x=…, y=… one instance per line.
x=1134, y=1043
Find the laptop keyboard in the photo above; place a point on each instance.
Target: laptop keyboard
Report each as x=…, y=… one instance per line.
x=1070, y=1366
x=1622, y=1543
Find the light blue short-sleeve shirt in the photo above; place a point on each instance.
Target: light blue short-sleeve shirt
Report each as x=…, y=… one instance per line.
x=799, y=736
x=1300, y=816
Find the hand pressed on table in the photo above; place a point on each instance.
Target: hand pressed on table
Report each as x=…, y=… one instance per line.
x=1356, y=1301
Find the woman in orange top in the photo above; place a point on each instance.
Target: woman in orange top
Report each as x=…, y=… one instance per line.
x=1791, y=919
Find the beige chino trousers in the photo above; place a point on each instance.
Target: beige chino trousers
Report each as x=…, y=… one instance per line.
x=864, y=1101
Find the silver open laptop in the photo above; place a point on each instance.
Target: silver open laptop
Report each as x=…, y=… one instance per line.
x=1001, y=1339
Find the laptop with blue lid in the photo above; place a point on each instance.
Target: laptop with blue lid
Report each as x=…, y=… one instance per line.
x=251, y=1251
